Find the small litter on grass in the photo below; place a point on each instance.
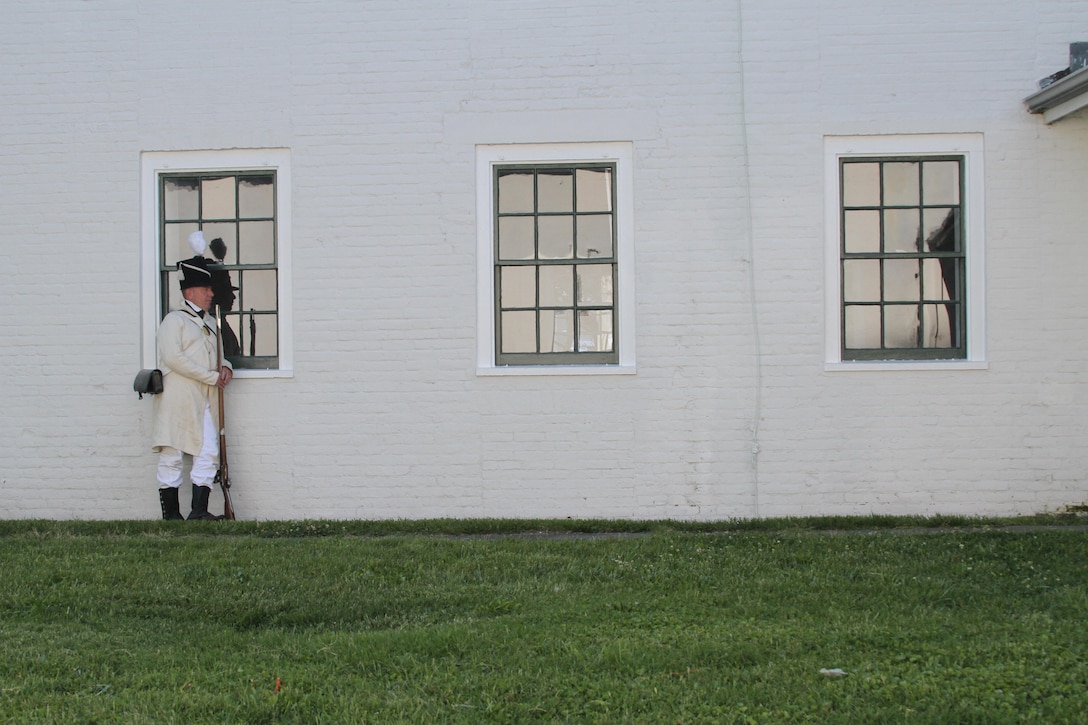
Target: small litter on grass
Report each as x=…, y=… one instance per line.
x=834, y=673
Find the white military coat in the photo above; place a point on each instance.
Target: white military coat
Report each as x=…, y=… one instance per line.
x=187, y=358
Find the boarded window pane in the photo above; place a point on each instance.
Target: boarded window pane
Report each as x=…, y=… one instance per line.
x=555, y=191
x=258, y=290
x=901, y=326
x=862, y=327
x=939, y=279
x=941, y=182
x=255, y=197
x=861, y=231
x=226, y=231
x=515, y=193
x=595, y=331
x=181, y=199
x=557, y=330
x=902, y=230
x=595, y=236
x=556, y=237
x=557, y=286
x=901, y=281
x=518, y=287
x=518, y=331
x=595, y=284
x=217, y=198
x=901, y=183
x=938, y=326
x=516, y=238
x=258, y=335
x=257, y=242
x=861, y=280
x=176, y=243
x=594, y=189
x=861, y=184
x=939, y=230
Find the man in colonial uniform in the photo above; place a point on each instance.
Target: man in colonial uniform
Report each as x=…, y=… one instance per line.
x=185, y=416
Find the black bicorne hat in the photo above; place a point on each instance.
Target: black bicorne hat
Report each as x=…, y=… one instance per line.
x=194, y=273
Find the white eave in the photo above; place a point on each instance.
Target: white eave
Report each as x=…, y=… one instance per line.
x=1061, y=98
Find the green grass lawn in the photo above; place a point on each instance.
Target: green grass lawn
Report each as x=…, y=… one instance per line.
x=312, y=622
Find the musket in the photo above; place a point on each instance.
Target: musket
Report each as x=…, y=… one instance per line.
x=222, y=476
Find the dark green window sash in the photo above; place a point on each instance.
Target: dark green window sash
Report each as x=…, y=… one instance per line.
x=880, y=257
x=240, y=208
x=537, y=257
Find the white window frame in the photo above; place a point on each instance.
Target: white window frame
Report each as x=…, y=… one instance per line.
x=971, y=147
x=620, y=153
x=155, y=163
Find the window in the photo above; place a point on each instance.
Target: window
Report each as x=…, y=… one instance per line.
x=238, y=200
x=556, y=250
x=906, y=254
x=238, y=210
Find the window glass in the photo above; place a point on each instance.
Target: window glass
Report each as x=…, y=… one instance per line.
x=549, y=311
x=903, y=264
x=236, y=212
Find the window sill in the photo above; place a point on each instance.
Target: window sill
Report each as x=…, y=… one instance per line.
x=913, y=365
x=513, y=370
x=247, y=373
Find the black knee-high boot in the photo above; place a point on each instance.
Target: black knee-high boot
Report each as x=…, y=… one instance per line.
x=200, y=505
x=168, y=499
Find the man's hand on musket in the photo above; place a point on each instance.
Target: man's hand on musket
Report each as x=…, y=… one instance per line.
x=225, y=375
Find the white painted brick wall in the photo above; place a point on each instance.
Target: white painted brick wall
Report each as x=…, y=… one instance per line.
x=382, y=104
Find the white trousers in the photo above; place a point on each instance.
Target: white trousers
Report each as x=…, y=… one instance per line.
x=205, y=463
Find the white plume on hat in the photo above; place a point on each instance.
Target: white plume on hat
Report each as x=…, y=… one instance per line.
x=198, y=243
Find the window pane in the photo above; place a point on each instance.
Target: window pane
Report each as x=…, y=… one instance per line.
x=594, y=189
x=255, y=197
x=257, y=242
x=861, y=280
x=901, y=281
x=901, y=183
x=902, y=229
x=557, y=286
x=557, y=330
x=518, y=287
x=861, y=231
x=595, y=331
x=939, y=279
x=258, y=290
x=258, y=335
x=223, y=282
x=176, y=243
x=217, y=198
x=180, y=199
x=555, y=191
x=225, y=231
x=233, y=335
x=595, y=284
x=556, y=237
x=862, y=327
x=937, y=326
x=595, y=236
x=516, y=238
x=940, y=230
x=901, y=326
x=515, y=193
x=941, y=182
x=518, y=331
x=861, y=184
x=172, y=292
